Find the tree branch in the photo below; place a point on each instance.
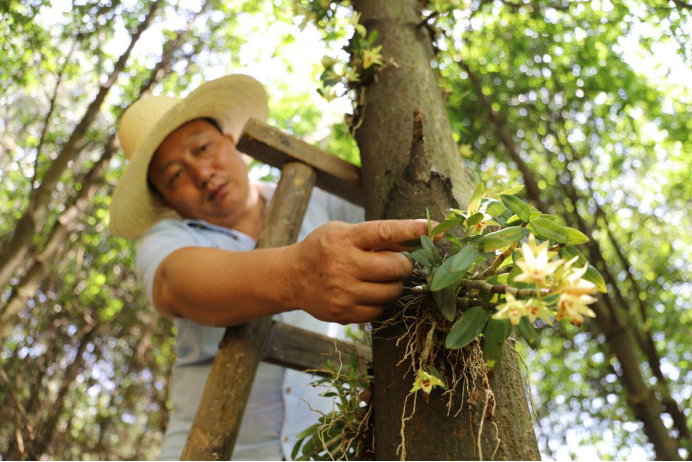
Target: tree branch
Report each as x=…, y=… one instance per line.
x=681, y=4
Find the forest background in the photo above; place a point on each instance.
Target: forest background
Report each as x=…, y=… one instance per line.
x=586, y=103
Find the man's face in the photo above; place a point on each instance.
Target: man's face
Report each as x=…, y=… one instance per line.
x=200, y=174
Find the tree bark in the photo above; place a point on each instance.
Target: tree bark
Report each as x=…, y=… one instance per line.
x=401, y=179
x=16, y=248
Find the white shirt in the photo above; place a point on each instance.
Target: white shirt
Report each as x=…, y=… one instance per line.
x=276, y=411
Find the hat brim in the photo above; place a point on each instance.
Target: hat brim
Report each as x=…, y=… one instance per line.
x=231, y=101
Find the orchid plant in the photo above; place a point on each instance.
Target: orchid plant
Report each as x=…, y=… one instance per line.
x=510, y=267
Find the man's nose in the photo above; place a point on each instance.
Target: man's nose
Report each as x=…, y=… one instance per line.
x=202, y=174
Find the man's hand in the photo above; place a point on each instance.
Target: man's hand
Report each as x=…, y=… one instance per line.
x=341, y=273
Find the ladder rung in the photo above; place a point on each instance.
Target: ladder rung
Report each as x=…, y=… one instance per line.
x=276, y=148
x=303, y=350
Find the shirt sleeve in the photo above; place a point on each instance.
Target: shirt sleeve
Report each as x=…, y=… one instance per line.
x=163, y=239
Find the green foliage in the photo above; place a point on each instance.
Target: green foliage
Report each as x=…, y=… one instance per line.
x=604, y=134
x=341, y=434
x=536, y=283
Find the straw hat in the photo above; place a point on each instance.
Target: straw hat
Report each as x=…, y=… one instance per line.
x=231, y=101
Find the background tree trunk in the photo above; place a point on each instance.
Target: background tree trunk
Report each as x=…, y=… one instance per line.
x=402, y=185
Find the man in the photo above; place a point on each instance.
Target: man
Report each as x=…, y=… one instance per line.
x=186, y=193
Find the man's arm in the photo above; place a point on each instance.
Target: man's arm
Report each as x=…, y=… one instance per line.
x=220, y=288
x=339, y=273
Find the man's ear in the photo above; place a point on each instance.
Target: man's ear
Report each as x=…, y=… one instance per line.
x=230, y=137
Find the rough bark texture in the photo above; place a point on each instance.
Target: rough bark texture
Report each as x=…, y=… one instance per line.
x=401, y=179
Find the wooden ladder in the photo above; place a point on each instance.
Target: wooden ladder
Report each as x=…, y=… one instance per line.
x=217, y=422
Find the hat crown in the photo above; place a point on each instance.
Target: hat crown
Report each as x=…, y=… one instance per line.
x=139, y=119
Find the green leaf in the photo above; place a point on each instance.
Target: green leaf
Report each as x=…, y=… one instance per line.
x=508, y=192
x=296, y=448
x=528, y=331
x=474, y=219
x=495, y=333
x=372, y=37
x=464, y=259
x=536, y=214
x=456, y=245
x=495, y=208
x=502, y=238
x=468, y=326
x=308, y=431
x=475, y=202
x=547, y=217
x=446, y=301
x=517, y=206
x=411, y=243
x=444, y=276
x=420, y=256
x=551, y=300
x=430, y=249
x=514, y=220
x=576, y=237
x=593, y=275
x=567, y=253
x=445, y=225
x=550, y=230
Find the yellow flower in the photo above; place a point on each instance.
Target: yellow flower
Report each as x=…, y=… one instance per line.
x=352, y=75
x=535, y=308
x=465, y=150
x=572, y=282
x=512, y=309
x=354, y=20
x=536, y=265
x=426, y=382
x=331, y=75
x=573, y=307
x=328, y=61
x=327, y=93
x=371, y=57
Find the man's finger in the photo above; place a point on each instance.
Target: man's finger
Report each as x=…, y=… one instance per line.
x=365, y=313
x=383, y=234
x=382, y=266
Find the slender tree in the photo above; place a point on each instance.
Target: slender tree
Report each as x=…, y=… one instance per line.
x=406, y=172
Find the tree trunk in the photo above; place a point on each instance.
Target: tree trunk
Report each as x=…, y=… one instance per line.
x=401, y=181
x=16, y=248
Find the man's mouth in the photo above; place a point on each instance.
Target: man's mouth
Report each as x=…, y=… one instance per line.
x=216, y=192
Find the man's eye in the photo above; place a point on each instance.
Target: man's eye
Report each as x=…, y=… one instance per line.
x=204, y=148
x=174, y=177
